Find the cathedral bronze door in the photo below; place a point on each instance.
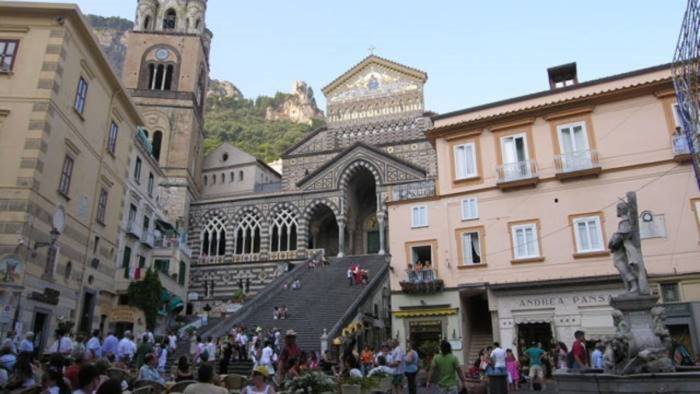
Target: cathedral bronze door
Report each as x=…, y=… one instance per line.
x=372, y=230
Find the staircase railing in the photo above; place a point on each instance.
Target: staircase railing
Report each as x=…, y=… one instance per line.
x=270, y=290
x=350, y=313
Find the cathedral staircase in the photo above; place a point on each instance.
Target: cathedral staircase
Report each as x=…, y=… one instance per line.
x=325, y=301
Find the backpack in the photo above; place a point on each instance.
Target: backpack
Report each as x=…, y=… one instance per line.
x=204, y=356
x=570, y=360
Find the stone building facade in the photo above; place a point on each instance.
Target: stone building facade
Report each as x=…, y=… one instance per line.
x=334, y=188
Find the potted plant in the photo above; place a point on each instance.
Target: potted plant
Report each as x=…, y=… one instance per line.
x=310, y=382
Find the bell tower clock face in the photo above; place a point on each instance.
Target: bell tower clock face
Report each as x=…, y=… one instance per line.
x=162, y=54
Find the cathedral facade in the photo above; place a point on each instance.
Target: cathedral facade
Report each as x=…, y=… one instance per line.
x=331, y=198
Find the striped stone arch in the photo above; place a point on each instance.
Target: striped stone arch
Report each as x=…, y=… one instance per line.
x=303, y=234
x=283, y=214
x=353, y=167
x=240, y=216
x=197, y=229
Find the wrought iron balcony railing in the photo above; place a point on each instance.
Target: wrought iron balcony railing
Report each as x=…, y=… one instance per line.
x=423, y=281
x=517, y=171
x=580, y=160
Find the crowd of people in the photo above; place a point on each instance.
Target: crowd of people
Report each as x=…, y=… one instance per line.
x=357, y=276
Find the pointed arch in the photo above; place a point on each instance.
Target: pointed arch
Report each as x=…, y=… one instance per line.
x=156, y=143
x=247, y=233
x=213, y=237
x=170, y=19
x=284, y=228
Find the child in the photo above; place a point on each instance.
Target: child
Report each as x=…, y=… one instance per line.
x=513, y=368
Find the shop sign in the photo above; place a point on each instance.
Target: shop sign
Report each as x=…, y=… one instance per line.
x=534, y=302
x=49, y=296
x=125, y=315
x=10, y=269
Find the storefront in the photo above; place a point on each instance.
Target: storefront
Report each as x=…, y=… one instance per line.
x=682, y=324
x=553, y=312
x=126, y=318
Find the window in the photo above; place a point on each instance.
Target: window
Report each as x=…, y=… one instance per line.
x=669, y=292
x=213, y=179
x=422, y=254
x=68, y=271
x=170, y=20
x=162, y=265
x=223, y=178
x=471, y=248
x=248, y=234
x=515, y=158
x=102, y=206
x=8, y=53
x=206, y=180
x=160, y=76
x=81, y=96
x=126, y=261
x=470, y=208
x=147, y=23
x=137, y=170
x=66, y=174
x=240, y=176
x=232, y=177
x=142, y=261
x=146, y=224
x=677, y=116
x=151, y=182
x=132, y=215
x=419, y=216
x=214, y=238
x=96, y=245
x=112, y=139
x=525, y=242
x=156, y=143
x=52, y=257
x=182, y=273
x=573, y=143
x=284, y=232
x=465, y=161
x=589, y=235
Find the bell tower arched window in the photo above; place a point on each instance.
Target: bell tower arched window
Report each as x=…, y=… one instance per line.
x=248, y=235
x=160, y=76
x=156, y=143
x=170, y=20
x=214, y=238
x=147, y=23
x=284, y=232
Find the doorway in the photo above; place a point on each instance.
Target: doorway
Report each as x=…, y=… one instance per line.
x=426, y=336
x=40, y=330
x=323, y=230
x=361, y=195
x=530, y=334
x=87, y=313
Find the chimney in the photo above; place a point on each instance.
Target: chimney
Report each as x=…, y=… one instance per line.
x=562, y=76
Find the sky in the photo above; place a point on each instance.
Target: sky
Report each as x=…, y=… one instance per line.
x=474, y=52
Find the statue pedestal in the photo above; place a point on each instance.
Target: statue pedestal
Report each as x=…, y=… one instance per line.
x=636, y=311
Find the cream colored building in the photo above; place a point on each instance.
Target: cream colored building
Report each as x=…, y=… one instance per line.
x=526, y=200
x=66, y=132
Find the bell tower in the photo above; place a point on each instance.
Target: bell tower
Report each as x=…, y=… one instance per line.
x=166, y=71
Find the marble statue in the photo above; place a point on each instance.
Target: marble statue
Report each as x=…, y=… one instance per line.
x=641, y=342
x=626, y=248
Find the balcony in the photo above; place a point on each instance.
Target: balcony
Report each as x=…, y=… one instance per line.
x=179, y=243
x=412, y=191
x=680, y=148
x=148, y=239
x=518, y=174
x=577, y=164
x=422, y=282
x=133, y=230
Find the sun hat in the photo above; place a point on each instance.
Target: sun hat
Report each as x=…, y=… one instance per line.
x=262, y=370
x=291, y=333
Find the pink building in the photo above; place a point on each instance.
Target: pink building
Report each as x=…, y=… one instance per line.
x=516, y=233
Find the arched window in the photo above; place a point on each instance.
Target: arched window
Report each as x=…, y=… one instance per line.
x=69, y=270
x=160, y=76
x=223, y=178
x=145, y=132
x=197, y=24
x=248, y=234
x=240, y=175
x=232, y=177
x=206, y=180
x=170, y=20
x=214, y=238
x=213, y=179
x=156, y=143
x=187, y=24
x=147, y=23
x=284, y=232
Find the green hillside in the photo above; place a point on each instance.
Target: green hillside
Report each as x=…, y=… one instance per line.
x=241, y=122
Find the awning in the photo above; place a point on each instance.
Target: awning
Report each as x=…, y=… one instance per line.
x=426, y=312
x=176, y=305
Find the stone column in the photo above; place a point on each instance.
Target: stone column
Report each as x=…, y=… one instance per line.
x=381, y=221
x=341, y=237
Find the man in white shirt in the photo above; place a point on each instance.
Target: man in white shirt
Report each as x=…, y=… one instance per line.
x=94, y=347
x=110, y=344
x=382, y=368
x=211, y=348
x=172, y=341
x=498, y=358
x=63, y=344
x=398, y=364
x=126, y=348
x=27, y=344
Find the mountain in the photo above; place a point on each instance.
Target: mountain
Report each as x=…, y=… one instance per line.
x=265, y=127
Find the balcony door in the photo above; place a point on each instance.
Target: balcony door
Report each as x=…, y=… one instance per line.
x=515, y=157
x=573, y=142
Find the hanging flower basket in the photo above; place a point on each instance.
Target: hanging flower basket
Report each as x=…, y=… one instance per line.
x=433, y=286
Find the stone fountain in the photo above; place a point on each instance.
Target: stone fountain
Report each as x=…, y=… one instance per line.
x=636, y=358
